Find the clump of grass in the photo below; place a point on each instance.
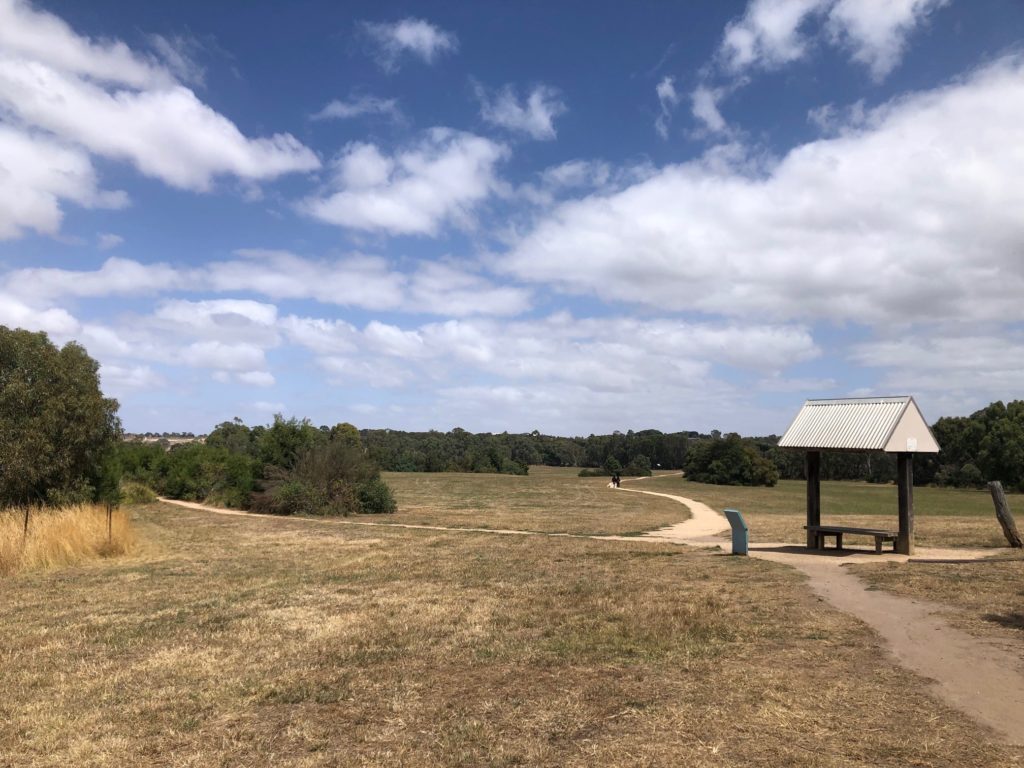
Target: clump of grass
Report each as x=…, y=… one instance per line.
x=59, y=537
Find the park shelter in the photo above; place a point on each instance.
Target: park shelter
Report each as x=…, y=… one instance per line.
x=890, y=424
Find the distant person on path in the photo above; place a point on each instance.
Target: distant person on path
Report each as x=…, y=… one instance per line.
x=615, y=479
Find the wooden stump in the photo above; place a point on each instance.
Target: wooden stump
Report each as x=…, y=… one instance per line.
x=1003, y=514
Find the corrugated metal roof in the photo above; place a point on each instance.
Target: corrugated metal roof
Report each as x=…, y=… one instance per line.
x=849, y=424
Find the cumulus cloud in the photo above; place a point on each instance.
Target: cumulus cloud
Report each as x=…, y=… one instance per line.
x=876, y=31
x=36, y=175
x=408, y=37
x=66, y=97
x=908, y=216
x=768, y=34
x=28, y=33
x=535, y=116
x=166, y=133
x=359, y=106
x=356, y=280
x=437, y=181
x=774, y=33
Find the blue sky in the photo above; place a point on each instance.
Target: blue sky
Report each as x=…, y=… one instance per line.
x=571, y=217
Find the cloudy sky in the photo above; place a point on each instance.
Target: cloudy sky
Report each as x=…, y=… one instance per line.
x=573, y=217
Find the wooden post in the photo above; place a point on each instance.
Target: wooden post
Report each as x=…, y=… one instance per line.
x=813, y=466
x=905, y=489
x=110, y=523
x=1003, y=514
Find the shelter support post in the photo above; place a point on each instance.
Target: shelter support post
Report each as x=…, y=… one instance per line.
x=813, y=466
x=905, y=489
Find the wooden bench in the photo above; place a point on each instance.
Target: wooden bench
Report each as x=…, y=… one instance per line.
x=821, y=531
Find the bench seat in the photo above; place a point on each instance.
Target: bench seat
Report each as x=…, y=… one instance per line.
x=821, y=531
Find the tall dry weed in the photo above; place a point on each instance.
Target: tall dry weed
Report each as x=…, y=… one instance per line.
x=59, y=537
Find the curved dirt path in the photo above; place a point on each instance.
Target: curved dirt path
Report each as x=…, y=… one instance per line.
x=982, y=680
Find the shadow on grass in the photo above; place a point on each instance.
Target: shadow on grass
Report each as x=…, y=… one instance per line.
x=1010, y=620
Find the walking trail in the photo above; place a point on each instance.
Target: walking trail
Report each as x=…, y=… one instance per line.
x=977, y=677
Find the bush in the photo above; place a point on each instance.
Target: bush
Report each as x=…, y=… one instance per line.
x=375, y=498
x=729, y=461
x=137, y=493
x=334, y=478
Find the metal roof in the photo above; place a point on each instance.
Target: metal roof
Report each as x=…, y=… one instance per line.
x=891, y=424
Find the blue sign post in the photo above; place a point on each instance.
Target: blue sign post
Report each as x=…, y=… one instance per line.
x=740, y=532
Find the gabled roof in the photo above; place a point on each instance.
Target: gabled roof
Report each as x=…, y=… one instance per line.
x=891, y=424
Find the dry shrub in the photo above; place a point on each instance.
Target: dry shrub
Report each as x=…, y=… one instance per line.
x=58, y=537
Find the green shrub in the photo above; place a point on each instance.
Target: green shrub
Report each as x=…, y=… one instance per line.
x=729, y=461
x=137, y=493
x=375, y=497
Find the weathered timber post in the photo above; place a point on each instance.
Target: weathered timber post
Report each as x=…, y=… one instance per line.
x=905, y=490
x=1003, y=514
x=813, y=466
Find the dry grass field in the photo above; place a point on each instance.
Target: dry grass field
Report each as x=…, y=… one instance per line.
x=231, y=641
x=551, y=499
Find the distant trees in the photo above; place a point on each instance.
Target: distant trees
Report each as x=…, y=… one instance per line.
x=462, y=451
x=58, y=433
x=987, y=445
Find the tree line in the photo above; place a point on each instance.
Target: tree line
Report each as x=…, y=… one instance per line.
x=61, y=442
x=462, y=451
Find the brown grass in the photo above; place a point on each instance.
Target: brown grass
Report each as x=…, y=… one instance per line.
x=60, y=537
x=268, y=641
x=550, y=499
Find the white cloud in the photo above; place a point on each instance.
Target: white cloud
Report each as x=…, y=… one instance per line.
x=116, y=277
x=774, y=33
x=65, y=95
x=768, y=34
x=234, y=320
x=876, y=30
x=958, y=372
x=166, y=133
x=324, y=337
x=705, y=108
x=914, y=214
x=411, y=36
x=356, y=280
x=36, y=175
x=416, y=191
x=668, y=99
x=120, y=380
x=14, y=313
x=443, y=289
x=535, y=117
x=357, y=107
x=37, y=35
x=223, y=356
x=257, y=378
x=107, y=240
